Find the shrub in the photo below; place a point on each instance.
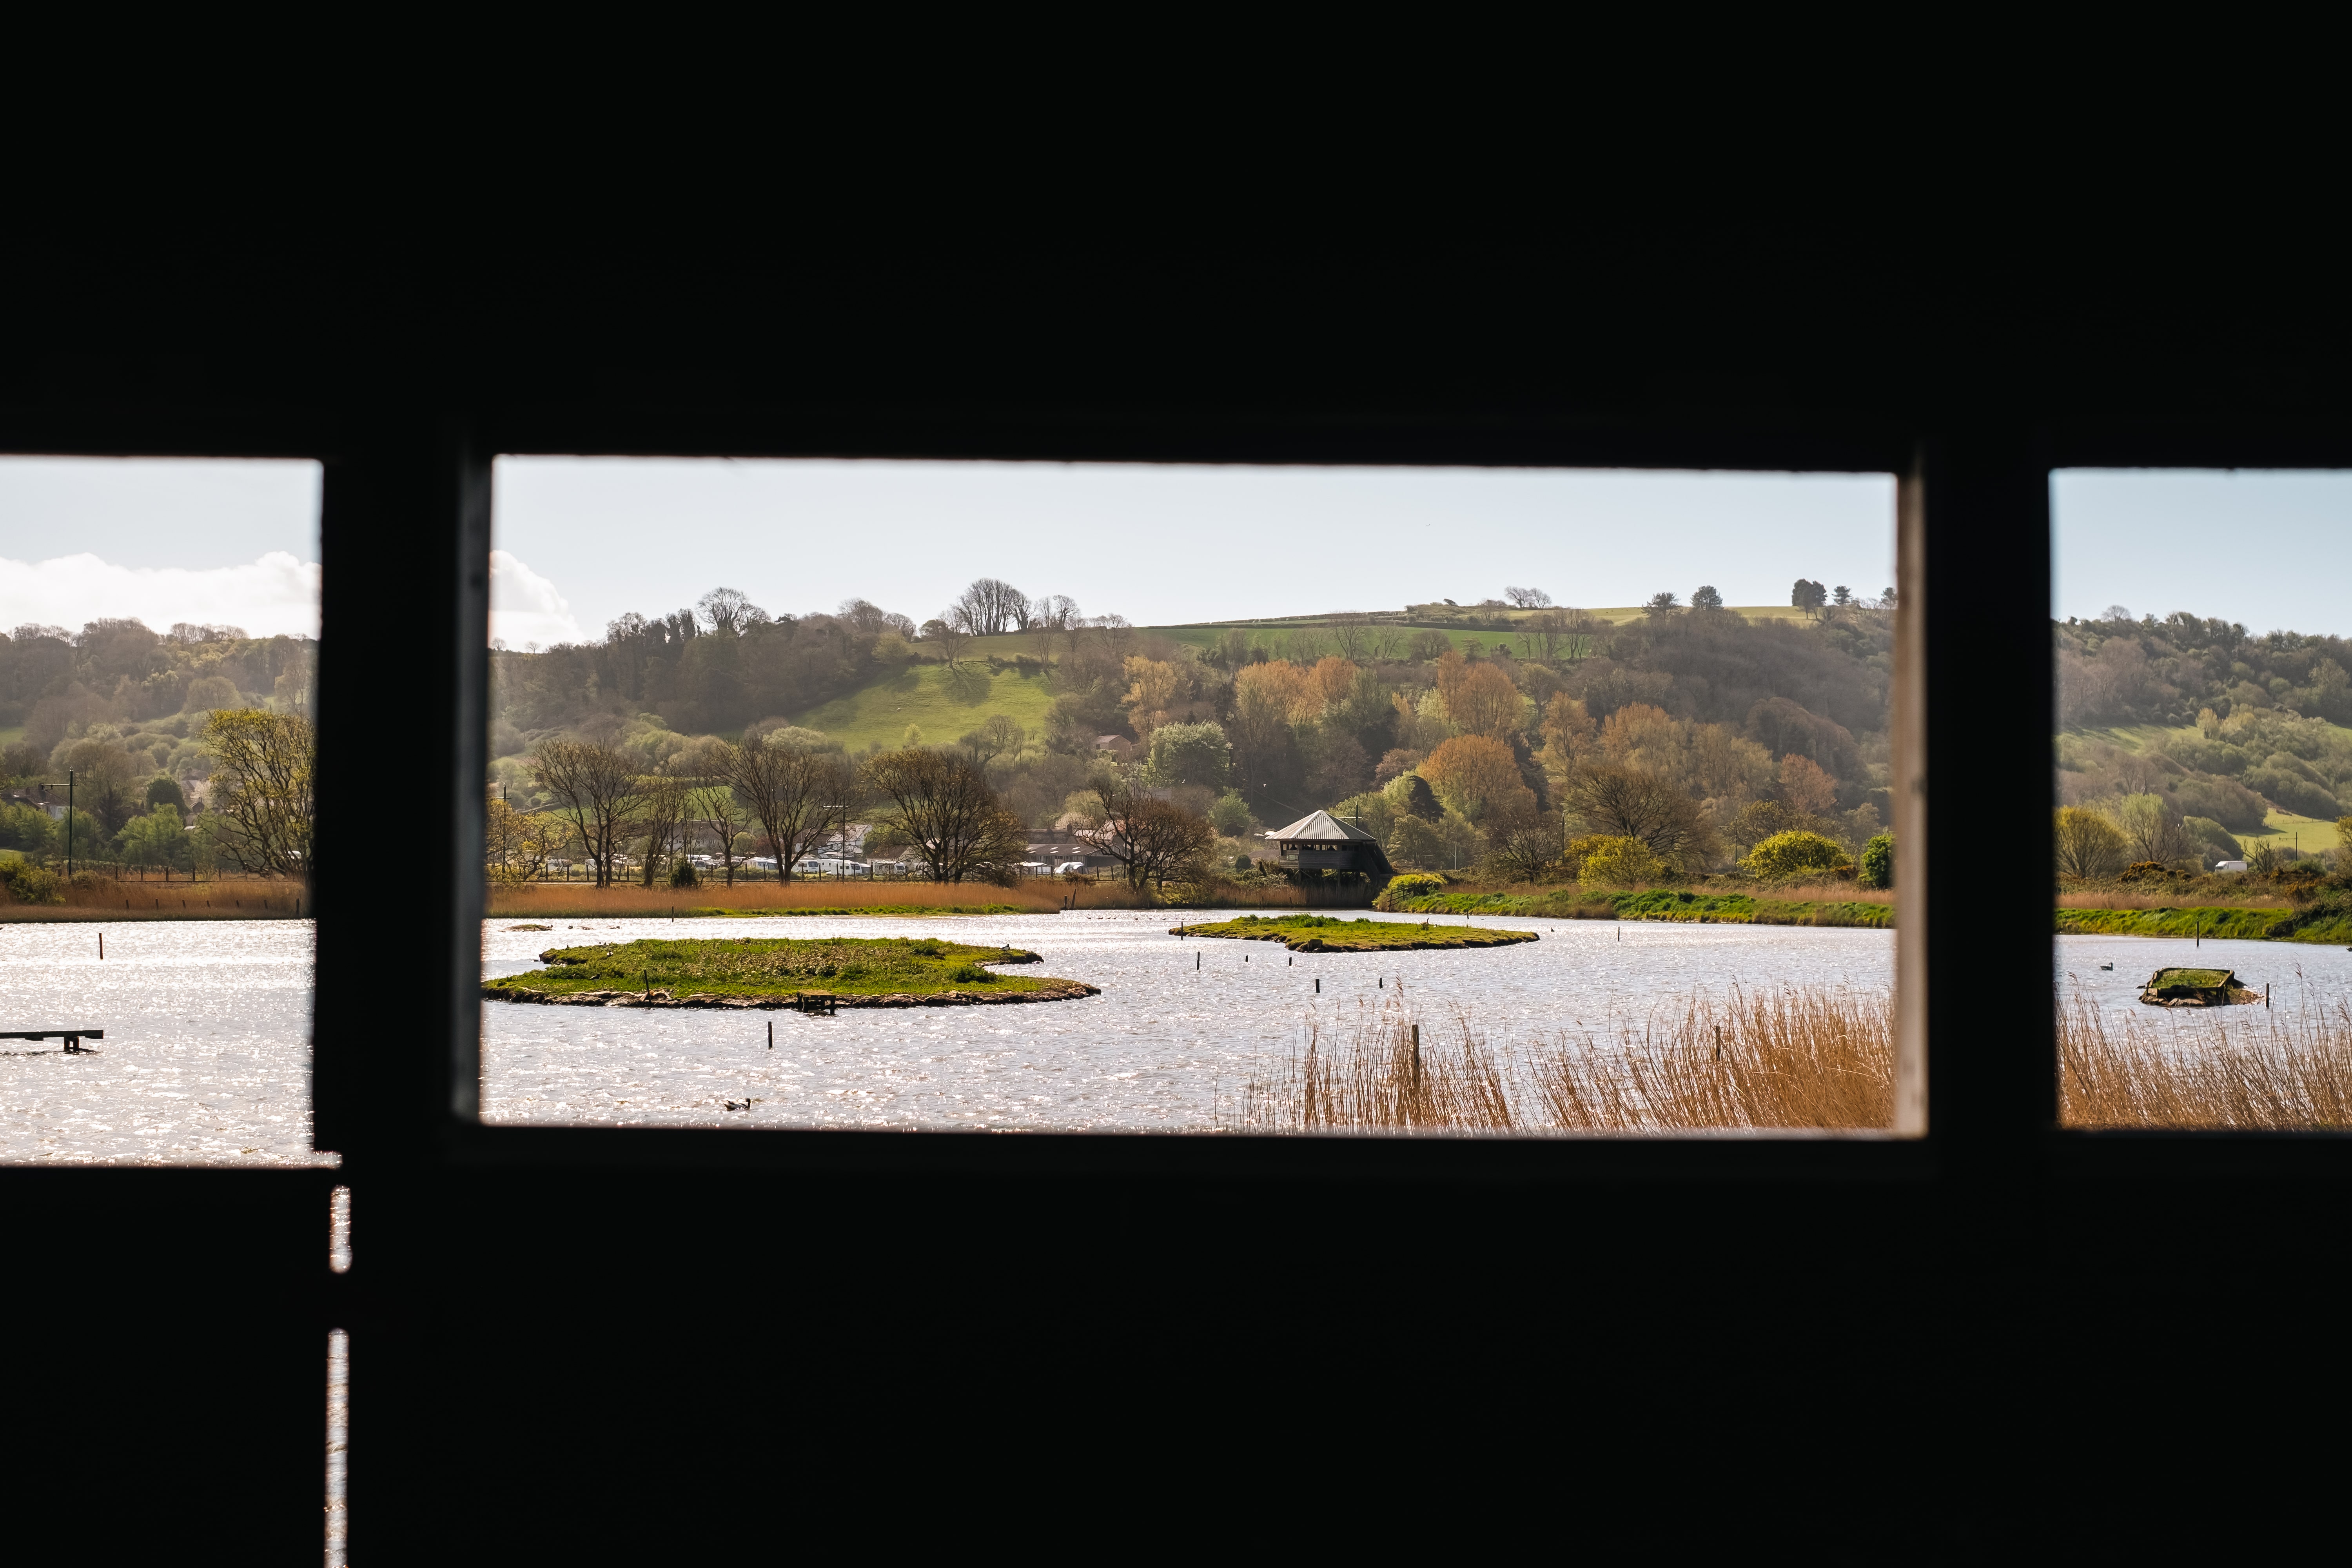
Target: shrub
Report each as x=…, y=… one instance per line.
x=1411, y=885
x=1878, y=862
x=1617, y=861
x=29, y=884
x=969, y=974
x=1794, y=853
x=681, y=875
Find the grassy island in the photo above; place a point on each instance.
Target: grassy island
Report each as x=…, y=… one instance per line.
x=1321, y=933
x=746, y=971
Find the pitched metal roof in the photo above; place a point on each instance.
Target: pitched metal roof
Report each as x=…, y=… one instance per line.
x=1320, y=827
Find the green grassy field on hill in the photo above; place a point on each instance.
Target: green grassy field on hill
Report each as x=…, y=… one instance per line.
x=1024, y=644
x=2281, y=829
x=943, y=703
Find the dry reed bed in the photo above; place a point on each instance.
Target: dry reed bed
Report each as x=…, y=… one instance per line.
x=2247, y=1069
x=1789, y=1058
x=1793, y=1059
x=526, y=900
x=226, y=898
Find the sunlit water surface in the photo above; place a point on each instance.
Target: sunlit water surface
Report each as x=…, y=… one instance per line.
x=1182, y=1026
x=206, y=1058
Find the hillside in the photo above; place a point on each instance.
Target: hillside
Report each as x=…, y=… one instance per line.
x=942, y=703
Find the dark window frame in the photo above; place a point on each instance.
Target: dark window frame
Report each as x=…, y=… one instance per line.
x=1989, y=1100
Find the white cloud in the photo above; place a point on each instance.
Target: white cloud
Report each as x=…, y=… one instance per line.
x=525, y=608
x=277, y=594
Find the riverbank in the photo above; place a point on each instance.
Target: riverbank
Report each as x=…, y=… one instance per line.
x=815, y=896
x=1659, y=904
x=2327, y=922
x=852, y=972
x=1320, y=934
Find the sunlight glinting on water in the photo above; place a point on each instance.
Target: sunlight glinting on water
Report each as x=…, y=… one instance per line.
x=1165, y=1047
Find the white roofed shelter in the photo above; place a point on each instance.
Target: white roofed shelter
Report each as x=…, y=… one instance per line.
x=1320, y=841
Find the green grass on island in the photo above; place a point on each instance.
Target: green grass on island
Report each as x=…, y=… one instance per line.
x=749, y=971
x=872, y=909
x=1321, y=933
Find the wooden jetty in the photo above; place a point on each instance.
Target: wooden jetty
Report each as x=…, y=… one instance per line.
x=72, y=1037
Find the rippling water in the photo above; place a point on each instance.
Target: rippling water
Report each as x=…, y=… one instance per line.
x=206, y=1058
x=1164, y=1047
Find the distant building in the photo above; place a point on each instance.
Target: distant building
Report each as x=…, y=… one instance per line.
x=1322, y=842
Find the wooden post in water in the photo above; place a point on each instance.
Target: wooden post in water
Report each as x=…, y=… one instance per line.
x=772, y=1033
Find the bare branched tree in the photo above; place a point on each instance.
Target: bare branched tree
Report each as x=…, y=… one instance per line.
x=1627, y=803
x=1000, y=737
x=798, y=796
x=943, y=805
x=728, y=611
x=1528, y=598
x=261, y=787
x=516, y=845
x=718, y=807
x=992, y=605
x=1153, y=838
x=595, y=789
x=661, y=817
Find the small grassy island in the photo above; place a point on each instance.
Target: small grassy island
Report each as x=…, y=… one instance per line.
x=747, y=971
x=2196, y=988
x=1321, y=933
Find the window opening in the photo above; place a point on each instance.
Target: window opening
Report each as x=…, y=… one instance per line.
x=934, y=796
x=155, y=704
x=2203, y=798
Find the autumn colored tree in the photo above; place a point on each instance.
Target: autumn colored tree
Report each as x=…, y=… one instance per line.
x=1484, y=702
x=1451, y=671
x=1478, y=776
x=1334, y=678
x=1154, y=689
x=1279, y=687
x=1567, y=728
x=1806, y=786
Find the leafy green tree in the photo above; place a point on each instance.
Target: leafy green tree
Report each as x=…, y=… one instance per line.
x=1878, y=862
x=1230, y=814
x=1661, y=606
x=1191, y=754
x=157, y=839
x=1707, y=598
x=166, y=792
x=2088, y=844
x=25, y=828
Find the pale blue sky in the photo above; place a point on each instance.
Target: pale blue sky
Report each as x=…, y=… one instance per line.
x=172, y=539
x=1159, y=543
x=2269, y=548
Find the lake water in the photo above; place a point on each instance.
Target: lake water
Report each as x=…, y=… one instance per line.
x=207, y=1060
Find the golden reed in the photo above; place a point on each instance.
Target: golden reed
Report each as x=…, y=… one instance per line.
x=1790, y=1058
